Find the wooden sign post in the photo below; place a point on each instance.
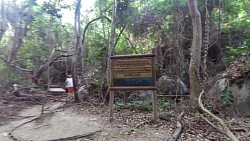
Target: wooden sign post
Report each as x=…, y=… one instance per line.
x=132, y=72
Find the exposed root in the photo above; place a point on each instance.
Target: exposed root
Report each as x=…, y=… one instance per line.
x=224, y=129
x=42, y=110
x=76, y=137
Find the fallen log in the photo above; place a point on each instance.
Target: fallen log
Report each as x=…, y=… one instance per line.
x=178, y=130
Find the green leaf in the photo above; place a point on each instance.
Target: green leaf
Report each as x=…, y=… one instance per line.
x=197, y=113
x=227, y=97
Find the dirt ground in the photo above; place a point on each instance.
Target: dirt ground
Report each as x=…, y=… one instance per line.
x=21, y=119
x=68, y=121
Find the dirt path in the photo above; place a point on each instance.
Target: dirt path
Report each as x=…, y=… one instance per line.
x=54, y=124
x=58, y=122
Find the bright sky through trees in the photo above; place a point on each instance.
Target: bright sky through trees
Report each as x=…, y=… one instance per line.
x=68, y=15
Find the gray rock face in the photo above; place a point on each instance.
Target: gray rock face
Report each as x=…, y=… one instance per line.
x=241, y=94
x=242, y=98
x=171, y=86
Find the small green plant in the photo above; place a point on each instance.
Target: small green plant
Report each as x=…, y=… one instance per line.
x=236, y=53
x=134, y=129
x=197, y=113
x=227, y=97
x=170, y=114
x=164, y=104
x=120, y=104
x=144, y=105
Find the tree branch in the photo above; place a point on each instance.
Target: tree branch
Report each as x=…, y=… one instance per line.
x=131, y=44
x=89, y=23
x=16, y=67
x=123, y=27
x=42, y=68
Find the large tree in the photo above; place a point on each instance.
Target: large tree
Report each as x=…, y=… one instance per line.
x=20, y=31
x=77, y=47
x=195, y=53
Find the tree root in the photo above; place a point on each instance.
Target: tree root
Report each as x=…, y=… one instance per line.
x=224, y=129
x=178, y=131
x=76, y=137
x=42, y=110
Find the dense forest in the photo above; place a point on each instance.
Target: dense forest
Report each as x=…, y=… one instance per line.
x=201, y=50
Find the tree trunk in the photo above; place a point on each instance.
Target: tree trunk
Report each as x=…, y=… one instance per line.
x=77, y=49
x=3, y=20
x=111, y=53
x=19, y=33
x=195, y=54
x=112, y=38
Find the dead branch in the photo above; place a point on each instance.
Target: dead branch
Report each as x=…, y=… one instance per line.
x=224, y=128
x=76, y=137
x=16, y=67
x=42, y=68
x=178, y=131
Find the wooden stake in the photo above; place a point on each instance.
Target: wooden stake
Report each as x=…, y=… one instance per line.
x=111, y=106
x=154, y=100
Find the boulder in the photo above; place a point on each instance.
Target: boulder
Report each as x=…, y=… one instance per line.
x=242, y=98
x=171, y=86
x=241, y=94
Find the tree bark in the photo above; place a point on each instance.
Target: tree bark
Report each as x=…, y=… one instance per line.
x=111, y=53
x=112, y=38
x=195, y=54
x=3, y=20
x=77, y=49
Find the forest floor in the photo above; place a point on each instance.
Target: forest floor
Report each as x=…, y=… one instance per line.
x=25, y=119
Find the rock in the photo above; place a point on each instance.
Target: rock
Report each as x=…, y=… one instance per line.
x=242, y=98
x=145, y=94
x=171, y=86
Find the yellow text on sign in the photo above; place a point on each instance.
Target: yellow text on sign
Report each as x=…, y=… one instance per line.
x=133, y=68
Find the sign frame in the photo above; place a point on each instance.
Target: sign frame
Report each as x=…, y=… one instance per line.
x=137, y=56
x=113, y=88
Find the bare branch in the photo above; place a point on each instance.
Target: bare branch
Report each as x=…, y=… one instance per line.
x=123, y=27
x=89, y=23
